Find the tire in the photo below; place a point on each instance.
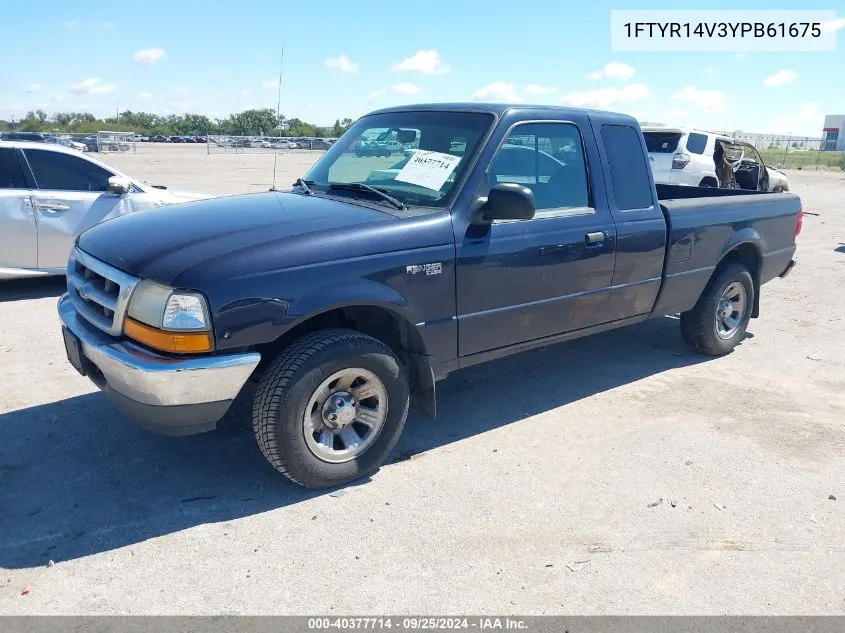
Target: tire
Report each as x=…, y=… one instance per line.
x=700, y=327
x=292, y=382
x=708, y=182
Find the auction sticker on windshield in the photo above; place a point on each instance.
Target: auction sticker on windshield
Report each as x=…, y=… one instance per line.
x=428, y=169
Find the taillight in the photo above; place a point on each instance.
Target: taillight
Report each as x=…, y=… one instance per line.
x=679, y=161
x=799, y=223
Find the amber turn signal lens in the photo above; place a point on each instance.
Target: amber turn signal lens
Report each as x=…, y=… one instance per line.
x=176, y=342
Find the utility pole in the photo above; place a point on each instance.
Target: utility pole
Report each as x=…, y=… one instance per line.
x=117, y=112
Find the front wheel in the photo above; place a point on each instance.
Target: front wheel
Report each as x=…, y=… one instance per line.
x=330, y=408
x=718, y=321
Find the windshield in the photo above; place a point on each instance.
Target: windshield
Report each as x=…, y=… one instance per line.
x=416, y=157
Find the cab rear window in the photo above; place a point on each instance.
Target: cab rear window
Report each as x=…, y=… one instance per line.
x=662, y=142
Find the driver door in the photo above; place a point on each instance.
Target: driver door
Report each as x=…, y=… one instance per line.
x=18, y=231
x=763, y=177
x=67, y=186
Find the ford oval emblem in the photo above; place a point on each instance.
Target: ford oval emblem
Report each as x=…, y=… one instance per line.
x=83, y=294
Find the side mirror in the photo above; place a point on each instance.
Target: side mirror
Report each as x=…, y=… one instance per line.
x=506, y=201
x=119, y=185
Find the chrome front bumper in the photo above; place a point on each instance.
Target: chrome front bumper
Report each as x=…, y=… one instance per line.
x=172, y=394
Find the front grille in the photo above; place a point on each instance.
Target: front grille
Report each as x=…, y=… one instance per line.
x=100, y=293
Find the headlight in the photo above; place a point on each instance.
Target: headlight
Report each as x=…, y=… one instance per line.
x=185, y=311
x=169, y=320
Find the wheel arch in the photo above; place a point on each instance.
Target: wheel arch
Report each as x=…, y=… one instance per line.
x=744, y=249
x=383, y=321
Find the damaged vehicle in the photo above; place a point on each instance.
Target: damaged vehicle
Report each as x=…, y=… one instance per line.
x=49, y=194
x=748, y=170
x=700, y=158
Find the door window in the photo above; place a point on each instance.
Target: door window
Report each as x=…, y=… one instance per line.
x=58, y=171
x=696, y=143
x=11, y=174
x=629, y=174
x=548, y=158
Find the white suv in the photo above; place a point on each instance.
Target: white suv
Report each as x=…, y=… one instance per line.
x=682, y=156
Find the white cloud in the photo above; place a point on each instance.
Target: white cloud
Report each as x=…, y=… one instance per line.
x=605, y=97
x=32, y=88
x=781, y=78
x=71, y=23
x=375, y=94
x=536, y=89
x=427, y=62
x=58, y=97
x=144, y=95
x=614, y=70
x=406, y=88
x=740, y=55
x=498, y=91
x=92, y=86
x=148, y=56
x=182, y=91
x=807, y=121
x=675, y=116
x=342, y=63
x=701, y=100
x=270, y=84
x=833, y=25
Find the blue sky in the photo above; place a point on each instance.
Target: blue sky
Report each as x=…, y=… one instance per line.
x=345, y=58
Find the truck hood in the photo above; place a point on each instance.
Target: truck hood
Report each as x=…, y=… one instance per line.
x=233, y=236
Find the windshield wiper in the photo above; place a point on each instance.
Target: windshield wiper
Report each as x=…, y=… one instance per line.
x=360, y=186
x=304, y=185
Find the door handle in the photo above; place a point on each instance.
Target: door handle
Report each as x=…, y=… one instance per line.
x=52, y=206
x=594, y=239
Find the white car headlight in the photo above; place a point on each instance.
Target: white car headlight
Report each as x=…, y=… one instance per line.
x=162, y=307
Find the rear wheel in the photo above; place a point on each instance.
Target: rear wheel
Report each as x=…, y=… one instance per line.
x=330, y=408
x=720, y=318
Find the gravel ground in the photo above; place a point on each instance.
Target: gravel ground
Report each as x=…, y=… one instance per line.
x=617, y=474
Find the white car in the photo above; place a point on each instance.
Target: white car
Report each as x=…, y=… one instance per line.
x=66, y=142
x=260, y=143
x=682, y=156
x=49, y=194
x=685, y=156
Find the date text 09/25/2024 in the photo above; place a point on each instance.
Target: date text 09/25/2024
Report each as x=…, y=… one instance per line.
x=416, y=623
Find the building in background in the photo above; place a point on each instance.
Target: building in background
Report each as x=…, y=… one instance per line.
x=833, y=133
x=771, y=141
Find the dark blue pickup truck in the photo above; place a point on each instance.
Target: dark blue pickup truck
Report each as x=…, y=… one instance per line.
x=346, y=298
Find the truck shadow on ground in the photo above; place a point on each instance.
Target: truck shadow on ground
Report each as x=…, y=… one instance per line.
x=76, y=478
x=20, y=289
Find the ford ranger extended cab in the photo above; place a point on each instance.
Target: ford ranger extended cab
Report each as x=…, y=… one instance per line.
x=346, y=298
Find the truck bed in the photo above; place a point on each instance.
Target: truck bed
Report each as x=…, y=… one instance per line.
x=704, y=224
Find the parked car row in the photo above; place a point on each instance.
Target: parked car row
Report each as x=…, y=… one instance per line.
x=273, y=142
x=160, y=138
x=37, y=137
